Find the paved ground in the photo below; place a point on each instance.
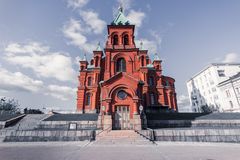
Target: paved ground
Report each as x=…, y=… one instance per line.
x=89, y=151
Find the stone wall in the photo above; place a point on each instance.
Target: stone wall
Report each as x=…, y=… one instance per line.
x=198, y=135
x=2, y=124
x=37, y=135
x=65, y=125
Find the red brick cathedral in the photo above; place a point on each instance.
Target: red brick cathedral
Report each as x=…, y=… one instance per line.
x=121, y=78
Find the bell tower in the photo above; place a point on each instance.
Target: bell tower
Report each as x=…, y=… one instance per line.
x=120, y=33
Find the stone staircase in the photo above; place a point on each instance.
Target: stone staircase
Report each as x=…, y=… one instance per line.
x=121, y=137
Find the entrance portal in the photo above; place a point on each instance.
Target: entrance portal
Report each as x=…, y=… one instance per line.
x=121, y=117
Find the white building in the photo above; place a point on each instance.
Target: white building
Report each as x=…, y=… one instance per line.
x=203, y=88
x=231, y=93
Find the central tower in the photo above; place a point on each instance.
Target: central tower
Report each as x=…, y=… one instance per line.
x=118, y=82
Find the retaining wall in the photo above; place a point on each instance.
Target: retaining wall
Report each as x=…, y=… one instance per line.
x=37, y=135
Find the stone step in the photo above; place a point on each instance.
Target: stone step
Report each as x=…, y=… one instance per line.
x=121, y=137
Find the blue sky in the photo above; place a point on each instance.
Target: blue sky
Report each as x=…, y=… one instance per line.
x=41, y=42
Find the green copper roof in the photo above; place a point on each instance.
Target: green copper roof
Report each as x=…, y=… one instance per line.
x=98, y=47
x=120, y=19
x=156, y=57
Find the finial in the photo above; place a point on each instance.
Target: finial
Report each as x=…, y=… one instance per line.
x=84, y=57
x=120, y=8
x=156, y=57
x=141, y=45
x=98, y=47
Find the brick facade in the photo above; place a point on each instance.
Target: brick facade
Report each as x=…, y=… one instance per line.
x=123, y=75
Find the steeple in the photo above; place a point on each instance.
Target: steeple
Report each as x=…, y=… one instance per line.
x=156, y=57
x=120, y=19
x=98, y=47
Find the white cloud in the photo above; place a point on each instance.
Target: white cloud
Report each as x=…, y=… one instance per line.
x=126, y=4
x=93, y=21
x=61, y=92
x=43, y=62
x=231, y=58
x=149, y=45
x=76, y=3
x=136, y=17
x=77, y=59
x=183, y=103
x=32, y=47
x=74, y=31
x=16, y=81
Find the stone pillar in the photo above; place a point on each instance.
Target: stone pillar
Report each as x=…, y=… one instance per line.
x=137, y=124
x=108, y=102
x=169, y=100
x=135, y=106
x=107, y=122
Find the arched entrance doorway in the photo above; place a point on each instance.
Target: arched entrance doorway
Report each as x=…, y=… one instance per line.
x=122, y=108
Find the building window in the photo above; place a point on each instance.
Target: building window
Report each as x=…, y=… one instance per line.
x=89, y=81
x=122, y=94
x=231, y=104
x=82, y=68
x=151, y=81
x=92, y=62
x=121, y=65
x=167, y=84
x=125, y=40
x=115, y=40
x=96, y=63
x=228, y=93
x=152, y=99
x=214, y=89
x=142, y=61
x=221, y=73
x=237, y=90
x=88, y=99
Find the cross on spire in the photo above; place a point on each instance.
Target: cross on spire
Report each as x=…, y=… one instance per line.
x=84, y=57
x=141, y=45
x=120, y=8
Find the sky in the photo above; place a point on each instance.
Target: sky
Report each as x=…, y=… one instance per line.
x=41, y=42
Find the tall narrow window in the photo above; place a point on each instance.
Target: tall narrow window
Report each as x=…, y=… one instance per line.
x=88, y=99
x=142, y=61
x=115, y=40
x=96, y=63
x=89, y=81
x=231, y=104
x=151, y=81
x=92, y=62
x=121, y=65
x=152, y=99
x=125, y=40
x=238, y=90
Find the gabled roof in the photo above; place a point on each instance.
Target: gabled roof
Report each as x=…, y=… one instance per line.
x=118, y=75
x=120, y=19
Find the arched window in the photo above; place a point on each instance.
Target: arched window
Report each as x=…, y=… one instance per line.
x=92, y=62
x=82, y=68
x=96, y=63
x=147, y=61
x=142, y=61
x=125, y=40
x=89, y=81
x=151, y=81
x=152, y=99
x=88, y=99
x=121, y=65
x=115, y=40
